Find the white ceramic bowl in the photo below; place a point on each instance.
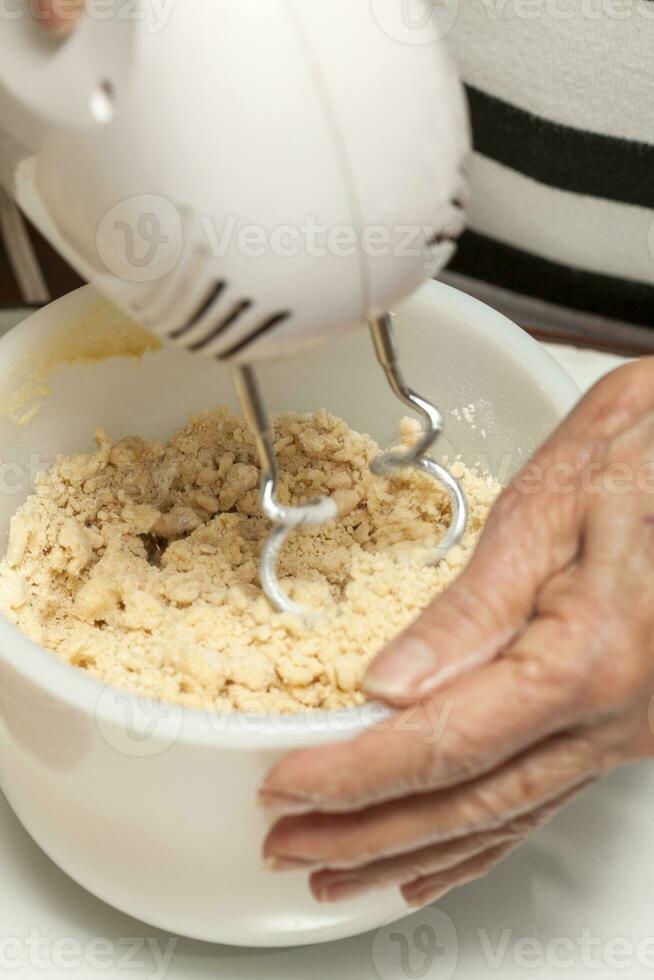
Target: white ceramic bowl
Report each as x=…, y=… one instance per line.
x=153, y=809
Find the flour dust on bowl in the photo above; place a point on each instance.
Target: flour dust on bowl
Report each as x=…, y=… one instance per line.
x=151, y=806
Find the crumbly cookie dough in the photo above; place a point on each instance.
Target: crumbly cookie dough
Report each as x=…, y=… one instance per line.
x=138, y=563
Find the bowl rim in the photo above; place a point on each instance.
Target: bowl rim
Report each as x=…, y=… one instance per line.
x=193, y=726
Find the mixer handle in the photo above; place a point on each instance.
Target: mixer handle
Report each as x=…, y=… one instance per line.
x=75, y=81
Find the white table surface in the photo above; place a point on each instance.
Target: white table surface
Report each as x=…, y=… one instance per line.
x=576, y=901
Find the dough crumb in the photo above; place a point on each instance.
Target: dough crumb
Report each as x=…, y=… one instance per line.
x=139, y=563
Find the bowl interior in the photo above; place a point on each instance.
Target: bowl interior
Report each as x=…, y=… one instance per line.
x=499, y=392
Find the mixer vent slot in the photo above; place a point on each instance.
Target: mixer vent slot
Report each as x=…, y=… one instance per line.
x=264, y=327
x=208, y=301
x=449, y=235
x=224, y=324
x=440, y=238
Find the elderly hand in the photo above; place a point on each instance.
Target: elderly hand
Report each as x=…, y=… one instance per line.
x=538, y=662
x=57, y=16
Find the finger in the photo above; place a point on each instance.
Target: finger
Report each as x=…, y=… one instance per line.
x=432, y=887
x=538, y=688
x=58, y=16
x=334, y=886
x=429, y=888
x=355, y=839
x=527, y=539
x=338, y=886
x=532, y=533
x=613, y=404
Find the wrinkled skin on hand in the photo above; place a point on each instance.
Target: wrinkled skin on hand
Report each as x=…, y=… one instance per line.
x=57, y=16
x=540, y=657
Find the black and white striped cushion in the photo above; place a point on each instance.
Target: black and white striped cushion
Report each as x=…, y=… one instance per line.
x=561, y=222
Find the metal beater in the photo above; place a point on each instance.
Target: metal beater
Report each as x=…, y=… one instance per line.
x=286, y=520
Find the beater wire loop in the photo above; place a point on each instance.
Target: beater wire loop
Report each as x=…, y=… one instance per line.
x=416, y=456
x=286, y=519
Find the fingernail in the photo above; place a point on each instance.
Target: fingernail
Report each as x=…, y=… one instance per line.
x=401, y=669
x=419, y=899
x=286, y=801
x=342, y=891
x=274, y=863
x=410, y=667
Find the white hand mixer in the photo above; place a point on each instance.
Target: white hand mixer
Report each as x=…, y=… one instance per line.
x=245, y=180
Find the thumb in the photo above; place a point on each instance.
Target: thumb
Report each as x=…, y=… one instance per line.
x=527, y=539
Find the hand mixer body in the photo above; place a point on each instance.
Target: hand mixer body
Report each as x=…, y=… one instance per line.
x=246, y=181
x=251, y=178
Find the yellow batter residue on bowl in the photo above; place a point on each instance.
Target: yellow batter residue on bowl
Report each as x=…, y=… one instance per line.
x=138, y=563
x=98, y=335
